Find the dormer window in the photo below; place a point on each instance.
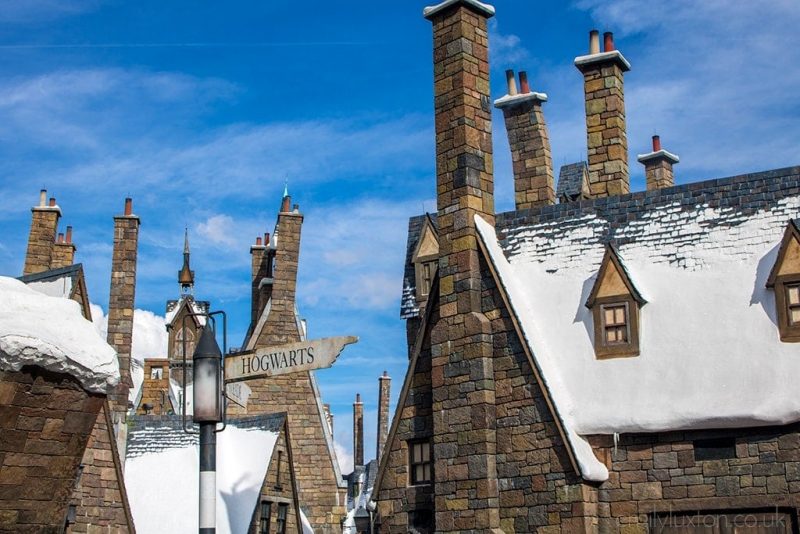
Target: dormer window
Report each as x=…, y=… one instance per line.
x=426, y=260
x=785, y=280
x=615, y=304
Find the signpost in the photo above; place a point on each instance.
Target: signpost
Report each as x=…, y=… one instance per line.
x=291, y=358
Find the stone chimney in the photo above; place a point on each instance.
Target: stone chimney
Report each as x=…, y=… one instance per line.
x=258, y=273
x=605, y=116
x=42, y=237
x=529, y=142
x=384, y=390
x=63, y=251
x=358, y=431
x=461, y=338
x=285, y=249
x=658, y=166
x=120, y=310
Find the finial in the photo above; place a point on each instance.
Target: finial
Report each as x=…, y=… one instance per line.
x=186, y=240
x=286, y=187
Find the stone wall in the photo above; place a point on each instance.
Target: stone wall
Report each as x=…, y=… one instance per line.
x=99, y=498
x=384, y=406
x=41, y=239
x=278, y=490
x=45, y=424
x=155, y=391
x=63, y=255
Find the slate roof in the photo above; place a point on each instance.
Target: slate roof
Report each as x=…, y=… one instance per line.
x=573, y=182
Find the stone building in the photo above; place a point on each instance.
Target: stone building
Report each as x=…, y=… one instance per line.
x=595, y=360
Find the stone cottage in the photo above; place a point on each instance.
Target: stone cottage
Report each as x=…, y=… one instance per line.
x=595, y=360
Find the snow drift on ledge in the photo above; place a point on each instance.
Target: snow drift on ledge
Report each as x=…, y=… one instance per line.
x=51, y=333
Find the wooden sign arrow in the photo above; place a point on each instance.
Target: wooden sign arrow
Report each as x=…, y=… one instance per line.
x=291, y=358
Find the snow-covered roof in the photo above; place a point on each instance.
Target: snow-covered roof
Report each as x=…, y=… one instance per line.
x=161, y=472
x=710, y=353
x=51, y=333
x=361, y=483
x=198, y=307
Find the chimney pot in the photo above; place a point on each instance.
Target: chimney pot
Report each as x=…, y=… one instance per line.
x=511, y=80
x=358, y=397
x=296, y=208
x=60, y=237
x=69, y=234
x=385, y=373
x=608, y=42
x=258, y=241
x=656, y=143
x=594, y=42
x=43, y=197
x=266, y=239
x=52, y=202
x=525, y=87
x=128, y=206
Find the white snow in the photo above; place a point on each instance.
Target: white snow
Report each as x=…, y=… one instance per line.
x=60, y=287
x=307, y=529
x=163, y=485
x=51, y=333
x=196, y=309
x=486, y=9
x=710, y=351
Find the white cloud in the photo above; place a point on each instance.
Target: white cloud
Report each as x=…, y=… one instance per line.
x=149, y=332
x=219, y=230
x=345, y=456
x=506, y=50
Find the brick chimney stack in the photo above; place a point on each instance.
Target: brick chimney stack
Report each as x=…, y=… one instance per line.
x=534, y=184
x=465, y=188
x=42, y=237
x=605, y=116
x=120, y=310
x=384, y=391
x=63, y=251
x=258, y=263
x=358, y=431
x=658, y=166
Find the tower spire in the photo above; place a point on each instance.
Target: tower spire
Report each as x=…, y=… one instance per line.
x=186, y=274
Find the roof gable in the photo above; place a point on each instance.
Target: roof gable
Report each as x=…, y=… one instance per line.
x=428, y=244
x=788, y=260
x=613, y=280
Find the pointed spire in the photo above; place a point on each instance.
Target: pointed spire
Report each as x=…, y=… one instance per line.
x=186, y=274
x=286, y=188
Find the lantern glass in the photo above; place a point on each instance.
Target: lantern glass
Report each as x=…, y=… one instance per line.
x=207, y=373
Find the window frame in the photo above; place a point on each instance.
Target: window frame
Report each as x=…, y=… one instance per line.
x=602, y=348
x=280, y=520
x=790, y=333
x=412, y=465
x=264, y=520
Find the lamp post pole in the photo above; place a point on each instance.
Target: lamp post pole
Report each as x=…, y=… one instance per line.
x=208, y=478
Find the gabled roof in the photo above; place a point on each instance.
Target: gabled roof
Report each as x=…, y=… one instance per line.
x=573, y=182
x=66, y=282
x=161, y=472
x=790, y=241
x=408, y=303
x=703, y=252
x=198, y=309
x=611, y=260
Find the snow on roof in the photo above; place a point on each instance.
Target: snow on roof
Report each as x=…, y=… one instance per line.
x=199, y=308
x=51, y=333
x=702, y=264
x=161, y=473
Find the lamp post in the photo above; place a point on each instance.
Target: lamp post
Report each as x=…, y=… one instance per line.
x=208, y=411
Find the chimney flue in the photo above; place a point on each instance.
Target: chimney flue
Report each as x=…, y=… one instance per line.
x=258, y=242
x=358, y=431
x=594, y=42
x=128, y=206
x=658, y=166
x=384, y=388
x=511, y=81
x=52, y=203
x=286, y=204
x=69, y=234
x=60, y=238
x=608, y=42
x=43, y=198
x=525, y=87
x=656, y=143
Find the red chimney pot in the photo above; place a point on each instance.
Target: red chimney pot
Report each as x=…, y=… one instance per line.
x=524, y=86
x=656, y=143
x=128, y=206
x=258, y=242
x=69, y=234
x=608, y=42
x=60, y=237
x=52, y=202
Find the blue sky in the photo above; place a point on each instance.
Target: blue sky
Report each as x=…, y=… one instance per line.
x=200, y=110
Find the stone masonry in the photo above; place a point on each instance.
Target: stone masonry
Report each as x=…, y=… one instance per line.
x=296, y=394
x=384, y=401
x=607, y=140
x=658, y=166
x=530, y=149
x=464, y=446
x=120, y=313
x=100, y=500
x=358, y=431
x=42, y=238
x=63, y=251
x=46, y=420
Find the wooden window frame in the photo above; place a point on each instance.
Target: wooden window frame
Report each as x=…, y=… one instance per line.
x=790, y=333
x=419, y=271
x=283, y=512
x=278, y=484
x=602, y=349
x=412, y=465
x=264, y=519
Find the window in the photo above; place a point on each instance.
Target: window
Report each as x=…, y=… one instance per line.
x=428, y=270
x=420, y=464
x=714, y=449
x=785, y=280
x=187, y=335
x=278, y=485
x=266, y=512
x=425, y=259
x=615, y=303
x=281, y=519
x=793, y=304
x=156, y=373
x=615, y=324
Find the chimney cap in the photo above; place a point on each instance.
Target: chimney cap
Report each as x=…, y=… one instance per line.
x=658, y=154
x=358, y=398
x=596, y=60
x=481, y=8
